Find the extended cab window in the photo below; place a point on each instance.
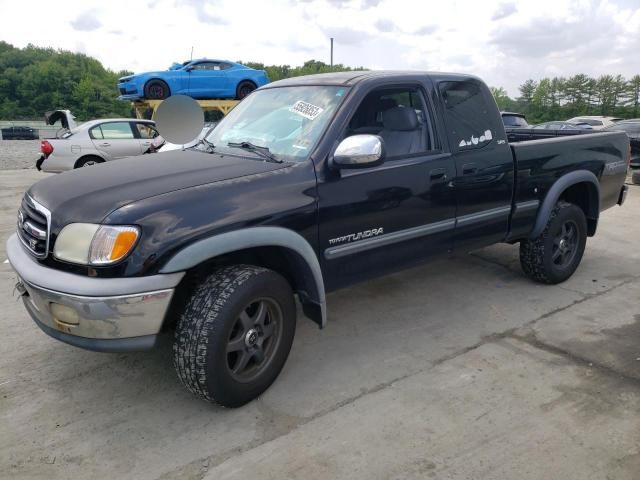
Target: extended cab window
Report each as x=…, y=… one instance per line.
x=470, y=114
x=398, y=115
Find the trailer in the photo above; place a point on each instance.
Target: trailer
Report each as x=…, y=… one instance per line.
x=141, y=107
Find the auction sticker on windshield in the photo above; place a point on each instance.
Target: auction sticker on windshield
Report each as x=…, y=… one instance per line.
x=307, y=110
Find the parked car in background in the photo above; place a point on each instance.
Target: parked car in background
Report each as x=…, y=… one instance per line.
x=95, y=142
x=596, y=122
x=19, y=133
x=201, y=78
x=514, y=120
x=562, y=126
x=632, y=128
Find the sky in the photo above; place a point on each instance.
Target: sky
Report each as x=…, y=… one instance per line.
x=504, y=42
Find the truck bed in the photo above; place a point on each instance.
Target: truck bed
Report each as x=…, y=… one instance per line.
x=522, y=134
x=603, y=154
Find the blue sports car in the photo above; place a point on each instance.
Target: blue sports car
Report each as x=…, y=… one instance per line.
x=203, y=78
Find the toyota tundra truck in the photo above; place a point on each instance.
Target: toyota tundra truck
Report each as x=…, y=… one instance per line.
x=309, y=185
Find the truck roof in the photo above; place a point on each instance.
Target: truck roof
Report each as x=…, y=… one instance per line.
x=356, y=76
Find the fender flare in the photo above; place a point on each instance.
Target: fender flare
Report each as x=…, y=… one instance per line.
x=208, y=248
x=550, y=200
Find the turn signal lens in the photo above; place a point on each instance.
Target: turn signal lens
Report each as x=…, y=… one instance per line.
x=111, y=244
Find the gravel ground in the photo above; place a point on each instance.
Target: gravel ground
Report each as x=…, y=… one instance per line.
x=18, y=154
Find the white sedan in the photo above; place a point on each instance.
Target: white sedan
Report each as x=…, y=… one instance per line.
x=95, y=142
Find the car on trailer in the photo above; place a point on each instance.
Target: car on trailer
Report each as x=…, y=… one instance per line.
x=201, y=79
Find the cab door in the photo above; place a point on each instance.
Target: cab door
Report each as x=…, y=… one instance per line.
x=484, y=164
x=377, y=219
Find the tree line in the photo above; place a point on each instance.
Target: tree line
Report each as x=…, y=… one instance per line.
x=34, y=80
x=560, y=98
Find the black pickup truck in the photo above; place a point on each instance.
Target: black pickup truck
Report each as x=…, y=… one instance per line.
x=308, y=185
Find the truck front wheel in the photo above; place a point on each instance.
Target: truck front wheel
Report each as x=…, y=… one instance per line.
x=555, y=254
x=235, y=334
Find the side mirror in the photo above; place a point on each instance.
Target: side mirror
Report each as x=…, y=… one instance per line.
x=189, y=68
x=359, y=151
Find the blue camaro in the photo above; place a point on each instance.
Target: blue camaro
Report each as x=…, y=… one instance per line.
x=201, y=78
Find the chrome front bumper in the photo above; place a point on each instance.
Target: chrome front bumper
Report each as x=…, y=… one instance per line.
x=93, y=313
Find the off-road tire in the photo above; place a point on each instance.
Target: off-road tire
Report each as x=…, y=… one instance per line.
x=156, y=90
x=204, y=328
x=244, y=89
x=88, y=161
x=536, y=254
x=635, y=178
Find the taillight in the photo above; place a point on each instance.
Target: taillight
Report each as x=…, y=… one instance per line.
x=46, y=147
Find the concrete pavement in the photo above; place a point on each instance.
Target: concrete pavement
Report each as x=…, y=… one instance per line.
x=458, y=369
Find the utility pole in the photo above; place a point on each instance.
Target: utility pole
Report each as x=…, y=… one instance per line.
x=331, y=53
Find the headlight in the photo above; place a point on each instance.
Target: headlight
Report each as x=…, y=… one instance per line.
x=90, y=244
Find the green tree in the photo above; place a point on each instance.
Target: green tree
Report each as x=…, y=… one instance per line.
x=634, y=94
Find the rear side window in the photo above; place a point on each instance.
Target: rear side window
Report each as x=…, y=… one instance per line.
x=116, y=131
x=515, y=121
x=470, y=114
x=96, y=133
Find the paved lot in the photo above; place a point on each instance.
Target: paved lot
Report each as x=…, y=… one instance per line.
x=16, y=154
x=459, y=369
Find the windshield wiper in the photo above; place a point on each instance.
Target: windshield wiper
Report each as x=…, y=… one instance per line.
x=210, y=146
x=257, y=149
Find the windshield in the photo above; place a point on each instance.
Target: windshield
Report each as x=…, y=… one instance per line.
x=287, y=120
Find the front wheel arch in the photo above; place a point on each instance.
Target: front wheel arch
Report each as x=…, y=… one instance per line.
x=276, y=248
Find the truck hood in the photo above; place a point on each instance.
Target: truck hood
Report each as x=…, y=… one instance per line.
x=89, y=194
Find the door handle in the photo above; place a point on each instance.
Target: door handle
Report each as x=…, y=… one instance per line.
x=438, y=174
x=469, y=169
x=105, y=144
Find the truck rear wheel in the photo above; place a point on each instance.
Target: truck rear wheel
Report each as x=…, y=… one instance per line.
x=235, y=334
x=555, y=254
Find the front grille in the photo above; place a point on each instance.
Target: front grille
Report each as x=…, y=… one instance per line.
x=34, y=223
x=123, y=90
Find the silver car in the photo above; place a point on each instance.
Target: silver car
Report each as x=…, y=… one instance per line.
x=95, y=142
